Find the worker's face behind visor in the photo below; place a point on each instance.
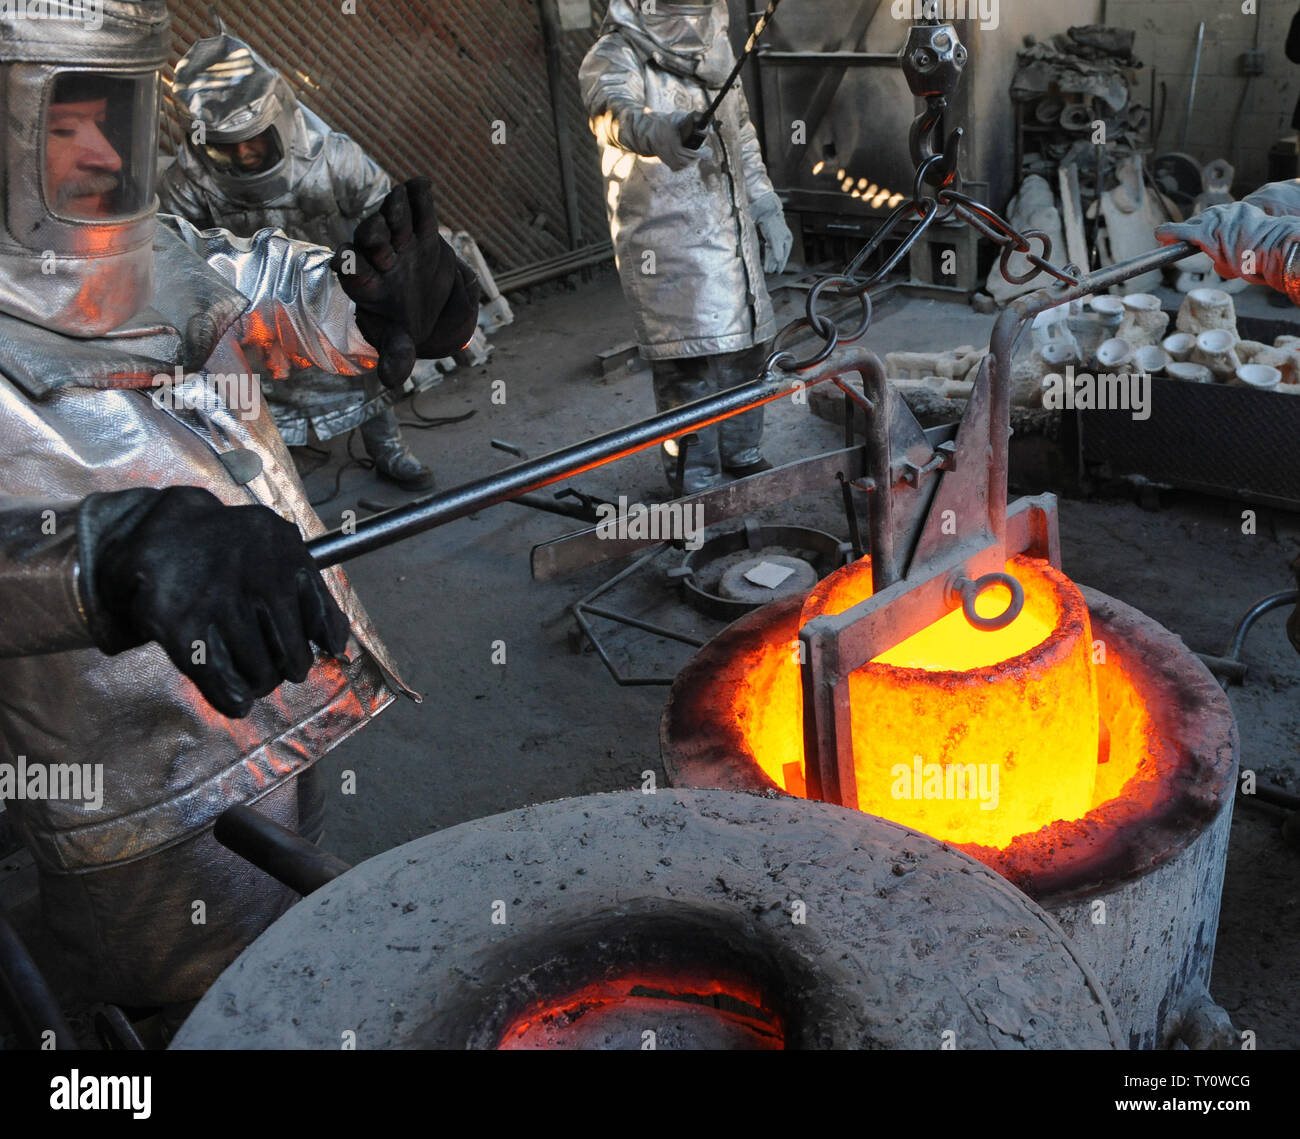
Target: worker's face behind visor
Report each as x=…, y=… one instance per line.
x=100, y=143
x=687, y=27
x=255, y=155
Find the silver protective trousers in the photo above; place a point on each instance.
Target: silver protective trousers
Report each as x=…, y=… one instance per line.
x=192, y=902
x=724, y=446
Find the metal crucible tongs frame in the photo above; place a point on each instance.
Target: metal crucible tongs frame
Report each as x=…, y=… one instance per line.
x=941, y=531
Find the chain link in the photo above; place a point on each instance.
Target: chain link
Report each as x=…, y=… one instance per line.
x=948, y=201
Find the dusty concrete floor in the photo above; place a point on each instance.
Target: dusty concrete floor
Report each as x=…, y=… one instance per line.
x=550, y=723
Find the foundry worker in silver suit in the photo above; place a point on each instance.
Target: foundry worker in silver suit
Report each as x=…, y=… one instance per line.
x=253, y=157
x=156, y=586
x=1258, y=240
x=686, y=223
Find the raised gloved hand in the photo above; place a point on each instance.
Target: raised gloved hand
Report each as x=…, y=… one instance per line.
x=415, y=298
x=229, y=592
x=769, y=216
x=1243, y=241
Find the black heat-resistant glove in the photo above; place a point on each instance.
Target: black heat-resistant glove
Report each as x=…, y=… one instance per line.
x=178, y=566
x=415, y=298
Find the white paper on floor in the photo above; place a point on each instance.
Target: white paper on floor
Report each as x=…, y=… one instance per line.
x=768, y=574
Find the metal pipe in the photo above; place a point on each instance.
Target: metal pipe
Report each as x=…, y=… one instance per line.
x=551, y=33
x=1191, y=90
x=439, y=509
x=645, y=626
x=697, y=139
x=833, y=58
x=552, y=506
x=544, y=271
x=1273, y=795
x=287, y=857
x=1007, y=330
x=1274, y=601
x=27, y=995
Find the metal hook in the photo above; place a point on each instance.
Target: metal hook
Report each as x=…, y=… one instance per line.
x=921, y=141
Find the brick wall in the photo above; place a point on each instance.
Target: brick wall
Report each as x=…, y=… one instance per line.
x=1232, y=117
x=420, y=84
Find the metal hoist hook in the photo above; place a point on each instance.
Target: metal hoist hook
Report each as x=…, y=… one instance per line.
x=932, y=60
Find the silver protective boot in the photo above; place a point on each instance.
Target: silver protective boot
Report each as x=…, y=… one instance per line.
x=393, y=458
x=732, y=446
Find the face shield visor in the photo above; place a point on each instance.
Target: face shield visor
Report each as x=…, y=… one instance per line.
x=79, y=152
x=684, y=29
x=97, y=147
x=247, y=159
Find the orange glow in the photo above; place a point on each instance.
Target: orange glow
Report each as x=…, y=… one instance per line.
x=818, y=168
x=972, y=737
x=647, y=999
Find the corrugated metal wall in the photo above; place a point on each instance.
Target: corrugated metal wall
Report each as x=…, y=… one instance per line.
x=420, y=84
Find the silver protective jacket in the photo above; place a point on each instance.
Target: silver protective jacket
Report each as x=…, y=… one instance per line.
x=87, y=415
x=686, y=243
x=324, y=185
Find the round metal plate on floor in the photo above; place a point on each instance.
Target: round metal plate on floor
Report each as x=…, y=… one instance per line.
x=714, y=578
x=687, y=919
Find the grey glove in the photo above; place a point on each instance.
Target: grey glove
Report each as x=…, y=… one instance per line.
x=769, y=216
x=657, y=135
x=1277, y=199
x=1243, y=241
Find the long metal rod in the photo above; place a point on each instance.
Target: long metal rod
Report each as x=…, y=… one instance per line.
x=580, y=616
x=750, y=45
x=831, y=58
x=437, y=510
x=1191, y=87
x=27, y=994
x=1006, y=331
x=556, y=79
x=287, y=857
x=542, y=271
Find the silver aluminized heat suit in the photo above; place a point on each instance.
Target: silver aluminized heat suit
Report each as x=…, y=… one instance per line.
x=687, y=246
x=686, y=241
x=320, y=185
x=81, y=412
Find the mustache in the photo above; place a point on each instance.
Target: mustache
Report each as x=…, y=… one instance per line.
x=86, y=186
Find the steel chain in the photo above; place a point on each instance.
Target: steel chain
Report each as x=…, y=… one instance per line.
x=946, y=202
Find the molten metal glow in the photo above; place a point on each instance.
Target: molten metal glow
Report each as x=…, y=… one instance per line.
x=625, y=1006
x=969, y=736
